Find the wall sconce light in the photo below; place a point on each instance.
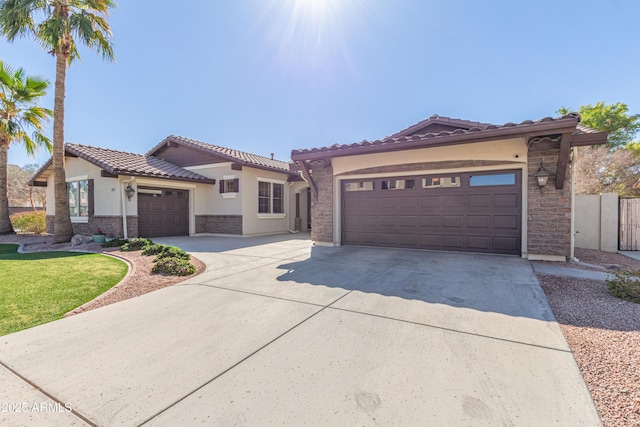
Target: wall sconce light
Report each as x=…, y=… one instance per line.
x=542, y=176
x=129, y=191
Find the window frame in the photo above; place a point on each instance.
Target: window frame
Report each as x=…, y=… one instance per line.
x=271, y=197
x=229, y=186
x=79, y=218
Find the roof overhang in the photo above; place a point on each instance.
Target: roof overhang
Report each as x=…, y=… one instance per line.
x=40, y=178
x=561, y=126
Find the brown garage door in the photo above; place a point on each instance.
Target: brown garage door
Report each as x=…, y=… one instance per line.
x=163, y=212
x=474, y=212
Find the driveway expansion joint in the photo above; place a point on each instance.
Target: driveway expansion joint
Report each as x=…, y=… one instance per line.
x=243, y=360
x=39, y=389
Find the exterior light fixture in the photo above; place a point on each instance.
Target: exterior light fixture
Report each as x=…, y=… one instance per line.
x=542, y=176
x=129, y=191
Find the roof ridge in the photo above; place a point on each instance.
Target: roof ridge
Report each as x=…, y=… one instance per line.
x=225, y=148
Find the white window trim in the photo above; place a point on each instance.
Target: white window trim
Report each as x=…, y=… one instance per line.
x=77, y=178
x=271, y=216
x=78, y=219
x=284, y=197
x=228, y=195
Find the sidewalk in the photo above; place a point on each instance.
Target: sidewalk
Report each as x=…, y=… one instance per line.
x=544, y=268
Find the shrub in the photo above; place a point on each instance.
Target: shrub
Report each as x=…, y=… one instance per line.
x=173, y=267
x=165, y=251
x=30, y=222
x=115, y=243
x=625, y=285
x=136, y=244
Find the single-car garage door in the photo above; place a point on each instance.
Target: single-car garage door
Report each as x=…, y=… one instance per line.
x=474, y=212
x=163, y=212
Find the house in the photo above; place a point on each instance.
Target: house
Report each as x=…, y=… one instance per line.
x=180, y=187
x=451, y=184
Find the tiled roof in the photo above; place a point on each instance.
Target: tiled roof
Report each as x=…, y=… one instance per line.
x=123, y=163
x=227, y=153
x=441, y=120
x=479, y=131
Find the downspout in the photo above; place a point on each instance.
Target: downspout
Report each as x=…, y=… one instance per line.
x=124, y=206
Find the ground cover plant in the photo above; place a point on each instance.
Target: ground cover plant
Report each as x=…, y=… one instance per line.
x=40, y=287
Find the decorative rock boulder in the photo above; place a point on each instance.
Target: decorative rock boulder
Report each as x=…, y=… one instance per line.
x=79, y=239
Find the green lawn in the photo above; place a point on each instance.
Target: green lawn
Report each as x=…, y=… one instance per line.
x=37, y=288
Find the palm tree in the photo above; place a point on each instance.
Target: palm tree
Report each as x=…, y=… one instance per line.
x=61, y=23
x=19, y=112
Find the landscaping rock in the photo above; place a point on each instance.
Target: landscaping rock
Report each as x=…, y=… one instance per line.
x=79, y=239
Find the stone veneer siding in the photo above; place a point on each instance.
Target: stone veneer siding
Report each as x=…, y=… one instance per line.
x=549, y=211
x=220, y=224
x=322, y=205
x=108, y=224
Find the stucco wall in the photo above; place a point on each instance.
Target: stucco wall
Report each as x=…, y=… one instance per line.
x=505, y=150
x=596, y=222
x=210, y=200
x=252, y=223
x=298, y=187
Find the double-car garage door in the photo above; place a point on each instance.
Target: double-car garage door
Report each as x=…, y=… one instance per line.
x=474, y=212
x=163, y=212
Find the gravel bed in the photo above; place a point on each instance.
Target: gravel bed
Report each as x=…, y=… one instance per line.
x=604, y=335
x=139, y=281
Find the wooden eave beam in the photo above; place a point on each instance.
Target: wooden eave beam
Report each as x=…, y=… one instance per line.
x=586, y=139
x=105, y=174
x=563, y=160
x=304, y=166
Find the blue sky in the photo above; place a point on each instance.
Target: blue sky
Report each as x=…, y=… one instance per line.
x=268, y=76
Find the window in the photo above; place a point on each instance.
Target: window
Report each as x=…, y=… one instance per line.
x=229, y=185
x=270, y=198
x=78, y=198
x=398, y=184
x=441, y=182
x=358, y=186
x=494, y=179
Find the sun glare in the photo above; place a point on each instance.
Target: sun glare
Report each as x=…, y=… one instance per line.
x=310, y=36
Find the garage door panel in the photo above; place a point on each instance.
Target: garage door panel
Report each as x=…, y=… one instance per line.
x=452, y=242
x=479, y=201
x=408, y=221
x=510, y=222
x=430, y=240
x=430, y=221
x=387, y=221
x=479, y=242
x=367, y=204
x=432, y=202
x=479, y=221
x=452, y=221
x=407, y=240
x=452, y=201
x=481, y=218
x=506, y=243
x=506, y=200
x=408, y=202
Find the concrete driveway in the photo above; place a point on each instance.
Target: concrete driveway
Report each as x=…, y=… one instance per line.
x=279, y=332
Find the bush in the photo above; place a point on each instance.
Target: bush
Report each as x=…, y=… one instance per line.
x=173, y=267
x=29, y=222
x=115, y=243
x=625, y=285
x=136, y=244
x=165, y=251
